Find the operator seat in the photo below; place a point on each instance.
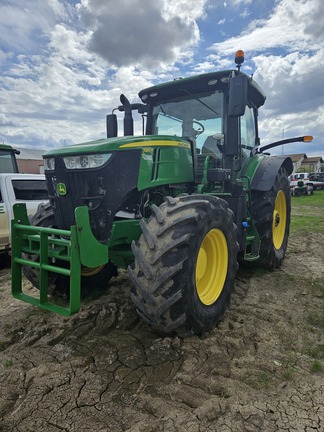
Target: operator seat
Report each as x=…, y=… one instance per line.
x=210, y=147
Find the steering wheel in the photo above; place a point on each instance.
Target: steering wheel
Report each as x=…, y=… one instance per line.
x=198, y=131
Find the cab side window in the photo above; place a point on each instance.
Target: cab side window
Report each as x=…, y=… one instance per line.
x=247, y=131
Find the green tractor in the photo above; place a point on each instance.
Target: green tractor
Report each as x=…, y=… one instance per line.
x=179, y=206
x=8, y=161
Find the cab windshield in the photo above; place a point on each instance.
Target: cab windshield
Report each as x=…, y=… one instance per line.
x=7, y=162
x=194, y=117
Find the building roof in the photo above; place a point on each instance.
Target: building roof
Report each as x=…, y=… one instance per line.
x=33, y=154
x=296, y=157
x=313, y=159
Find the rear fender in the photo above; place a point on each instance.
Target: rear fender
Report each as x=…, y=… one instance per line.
x=267, y=171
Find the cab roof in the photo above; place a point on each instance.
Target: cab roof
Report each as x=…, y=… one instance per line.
x=199, y=84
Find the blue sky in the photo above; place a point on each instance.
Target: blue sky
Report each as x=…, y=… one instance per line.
x=64, y=63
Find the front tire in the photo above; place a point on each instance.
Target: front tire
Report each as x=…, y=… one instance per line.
x=185, y=264
x=271, y=217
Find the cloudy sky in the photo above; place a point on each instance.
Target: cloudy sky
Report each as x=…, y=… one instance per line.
x=64, y=63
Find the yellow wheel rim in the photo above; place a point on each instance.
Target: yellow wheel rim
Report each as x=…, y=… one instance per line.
x=211, y=266
x=279, y=220
x=91, y=271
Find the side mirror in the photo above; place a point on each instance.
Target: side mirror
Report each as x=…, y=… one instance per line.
x=237, y=95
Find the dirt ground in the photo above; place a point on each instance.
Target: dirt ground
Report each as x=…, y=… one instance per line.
x=261, y=369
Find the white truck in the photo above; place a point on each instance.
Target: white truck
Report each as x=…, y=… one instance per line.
x=16, y=188
x=302, y=184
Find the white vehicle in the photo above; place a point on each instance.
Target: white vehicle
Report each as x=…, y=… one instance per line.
x=30, y=189
x=311, y=185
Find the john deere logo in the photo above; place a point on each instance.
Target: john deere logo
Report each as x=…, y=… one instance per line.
x=61, y=188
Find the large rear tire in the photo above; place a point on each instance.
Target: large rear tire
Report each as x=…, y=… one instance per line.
x=91, y=279
x=185, y=264
x=271, y=217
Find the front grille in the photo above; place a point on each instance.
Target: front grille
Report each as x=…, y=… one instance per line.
x=102, y=190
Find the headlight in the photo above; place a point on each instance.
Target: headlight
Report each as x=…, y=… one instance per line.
x=49, y=164
x=86, y=161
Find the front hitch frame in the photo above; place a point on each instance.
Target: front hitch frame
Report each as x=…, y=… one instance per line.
x=48, y=245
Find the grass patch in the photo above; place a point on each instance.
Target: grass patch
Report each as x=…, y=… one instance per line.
x=287, y=278
x=317, y=352
x=288, y=374
x=264, y=379
x=261, y=379
x=287, y=370
x=317, y=199
x=8, y=363
x=316, y=318
x=317, y=367
x=3, y=345
x=309, y=211
x=260, y=272
x=307, y=223
x=318, y=288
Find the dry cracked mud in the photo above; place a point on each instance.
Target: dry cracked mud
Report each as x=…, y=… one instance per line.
x=261, y=369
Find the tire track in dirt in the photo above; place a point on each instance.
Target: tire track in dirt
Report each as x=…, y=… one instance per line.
x=105, y=370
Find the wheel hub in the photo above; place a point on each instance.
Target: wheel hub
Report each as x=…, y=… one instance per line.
x=276, y=218
x=211, y=266
x=279, y=220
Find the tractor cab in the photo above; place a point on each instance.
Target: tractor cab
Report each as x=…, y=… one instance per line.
x=8, y=162
x=196, y=108
x=215, y=112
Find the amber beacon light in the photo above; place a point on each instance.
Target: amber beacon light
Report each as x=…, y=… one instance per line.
x=239, y=57
x=308, y=138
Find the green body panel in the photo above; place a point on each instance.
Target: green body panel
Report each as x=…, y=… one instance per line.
x=122, y=234
x=249, y=169
x=6, y=147
x=253, y=242
x=98, y=252
x=165, y=165
x=127, y=143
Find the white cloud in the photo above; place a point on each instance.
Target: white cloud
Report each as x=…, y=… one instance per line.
x=63, y=93
x=184, y=9
x=25, y=24
x=288, y=27
x=246, y=13
x=54, y=90
x=4, y=56
x=286, y=49
x=293, y=80
x=132, y=32
x=239, y=2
